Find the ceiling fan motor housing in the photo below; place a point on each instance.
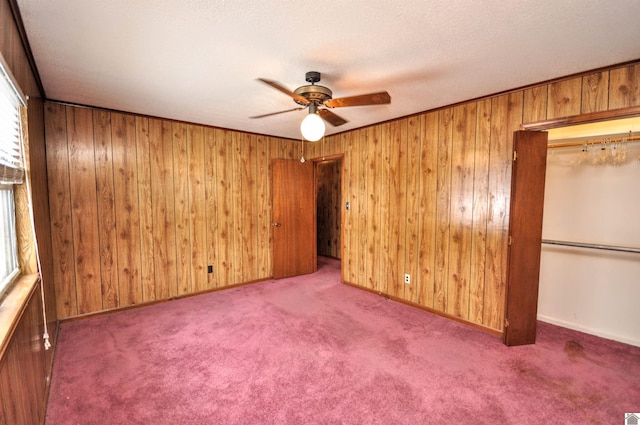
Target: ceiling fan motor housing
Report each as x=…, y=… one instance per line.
x=314, y=94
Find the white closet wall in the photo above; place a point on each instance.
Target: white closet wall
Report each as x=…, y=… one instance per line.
x=593, y=291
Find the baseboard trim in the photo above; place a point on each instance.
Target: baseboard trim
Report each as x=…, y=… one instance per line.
x=587, y=330
x=428, y=309
x=149, y=303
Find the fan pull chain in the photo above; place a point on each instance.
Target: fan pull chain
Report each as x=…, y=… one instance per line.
x=302, y=149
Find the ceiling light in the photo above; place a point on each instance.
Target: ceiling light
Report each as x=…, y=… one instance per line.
x=312, y=126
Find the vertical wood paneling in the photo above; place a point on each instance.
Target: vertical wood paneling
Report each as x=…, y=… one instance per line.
x=535, y=104
x=506, y=113
x=123, y=137
x=414, y=137
x=106, y=212
x=263, y=207
x=595, y=90
x=320, y=149
x=428, y=203
x=211, y=205
x=310, y=149
x=84, y=214
x=163, y=209
x=224, y=142
x=397, y=210
x=14, y=53
x=461, y=213
x=375, y=201
x=197, y=214
x=237, y=188
x=160, y=190
x=181, y=187
x=564, y=98
x=624, y=87
x=248, y=220
x=362, y=202
x=60, y=201
x=23, y=369
x=324, y=147
x=480, y=203
x=351, y=234
x=382, y=213
x=443, y=205
x=288, y=149
x=143, y=165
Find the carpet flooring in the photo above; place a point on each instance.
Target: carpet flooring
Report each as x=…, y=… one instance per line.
x=310, y=350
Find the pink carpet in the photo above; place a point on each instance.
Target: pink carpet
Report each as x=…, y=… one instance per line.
x=309, y=350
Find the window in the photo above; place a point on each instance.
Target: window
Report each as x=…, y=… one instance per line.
x=11, y=173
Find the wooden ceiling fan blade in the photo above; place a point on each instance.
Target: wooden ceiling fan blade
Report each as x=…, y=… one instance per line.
x=380, y=98
x=279, y=112
x=331, y=118
x=300, y=99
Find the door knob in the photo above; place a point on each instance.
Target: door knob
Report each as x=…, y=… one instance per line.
x=276, y=224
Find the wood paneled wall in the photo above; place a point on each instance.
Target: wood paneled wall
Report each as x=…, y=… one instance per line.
x=140, y=206
x=24, y=369
x=430, y=193
x=25, y=366
x=329, y=207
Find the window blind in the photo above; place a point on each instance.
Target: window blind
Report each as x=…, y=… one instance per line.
x=11, y=168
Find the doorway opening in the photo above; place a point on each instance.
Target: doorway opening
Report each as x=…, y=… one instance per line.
x=329, y=174
x=589, y=267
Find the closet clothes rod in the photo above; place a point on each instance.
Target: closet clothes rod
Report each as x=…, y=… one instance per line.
x=592, y=142
x=593, y=246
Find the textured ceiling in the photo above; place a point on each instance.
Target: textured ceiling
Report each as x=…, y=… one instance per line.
x=198, y=60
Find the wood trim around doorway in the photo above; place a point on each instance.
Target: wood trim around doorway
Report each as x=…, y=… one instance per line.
x=629, y=112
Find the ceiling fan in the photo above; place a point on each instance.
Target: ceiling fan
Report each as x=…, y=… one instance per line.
x=313, y=96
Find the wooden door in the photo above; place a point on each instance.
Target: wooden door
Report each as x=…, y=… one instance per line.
x=525, y=235
x=294, y=218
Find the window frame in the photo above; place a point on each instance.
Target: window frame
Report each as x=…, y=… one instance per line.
x=12, y=170
x=12, y=277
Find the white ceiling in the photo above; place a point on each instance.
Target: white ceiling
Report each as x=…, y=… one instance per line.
x=198, y=60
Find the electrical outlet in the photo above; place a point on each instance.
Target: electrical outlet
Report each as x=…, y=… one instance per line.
x=407, y=278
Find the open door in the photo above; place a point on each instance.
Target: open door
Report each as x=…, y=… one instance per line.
x=525, y=236
x=294, y=218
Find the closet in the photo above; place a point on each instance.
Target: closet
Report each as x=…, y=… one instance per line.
x=590, y=252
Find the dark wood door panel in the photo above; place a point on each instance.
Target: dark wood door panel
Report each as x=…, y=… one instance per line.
x=525, y=235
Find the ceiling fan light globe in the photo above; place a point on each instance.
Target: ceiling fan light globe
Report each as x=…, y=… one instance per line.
x=312, y=128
